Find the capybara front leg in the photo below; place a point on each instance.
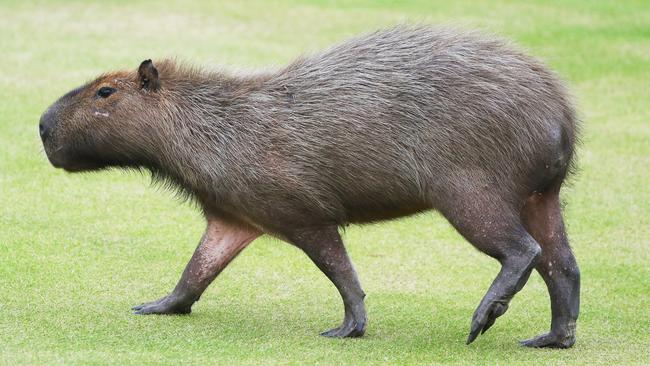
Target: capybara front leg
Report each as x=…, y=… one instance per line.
x=543, y=219
x=325, y=248
x=220, y=243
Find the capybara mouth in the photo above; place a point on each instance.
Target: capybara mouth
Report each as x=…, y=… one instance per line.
x=82, y=167
x=53, y=156
x=62, y=159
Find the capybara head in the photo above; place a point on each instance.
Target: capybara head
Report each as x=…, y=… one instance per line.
x=99, y=124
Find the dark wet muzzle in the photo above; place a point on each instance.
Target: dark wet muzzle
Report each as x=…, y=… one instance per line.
x=47, y=122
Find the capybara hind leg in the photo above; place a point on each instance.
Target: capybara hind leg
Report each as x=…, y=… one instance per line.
x=542, y=217
x=491, y=226
x=219, y=245
x=325, y=248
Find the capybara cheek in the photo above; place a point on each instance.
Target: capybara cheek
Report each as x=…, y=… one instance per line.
x=101, y=113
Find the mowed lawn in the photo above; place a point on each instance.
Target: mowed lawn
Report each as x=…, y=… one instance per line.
x=77, y=251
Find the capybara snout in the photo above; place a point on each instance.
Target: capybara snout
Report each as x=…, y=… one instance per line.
x=46, y=124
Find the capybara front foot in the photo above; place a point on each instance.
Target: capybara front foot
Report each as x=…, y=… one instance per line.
x=349, y=328
x=166, y=305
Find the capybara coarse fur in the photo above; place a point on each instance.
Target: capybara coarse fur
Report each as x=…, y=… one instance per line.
x=382, y=126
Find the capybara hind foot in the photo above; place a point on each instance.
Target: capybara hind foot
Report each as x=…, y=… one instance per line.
x=484, y=317
x=550, y=340
x=562, y=335
x=166, y=305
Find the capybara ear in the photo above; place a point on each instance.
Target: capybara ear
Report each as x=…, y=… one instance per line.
x=148, y=75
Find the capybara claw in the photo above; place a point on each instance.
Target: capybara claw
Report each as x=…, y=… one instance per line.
x=139, y=307
x=473, y=333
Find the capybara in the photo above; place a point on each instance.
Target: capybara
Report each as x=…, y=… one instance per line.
x=385, y=125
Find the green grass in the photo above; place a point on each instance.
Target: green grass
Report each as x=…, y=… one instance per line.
x=76, y=251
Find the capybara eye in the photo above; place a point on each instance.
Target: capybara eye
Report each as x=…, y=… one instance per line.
x=106, y=91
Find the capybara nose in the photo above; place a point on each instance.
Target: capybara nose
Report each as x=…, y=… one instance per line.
x=46, y=124
x=42, y=130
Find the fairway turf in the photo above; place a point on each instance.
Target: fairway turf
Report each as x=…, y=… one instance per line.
x=77, y=251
